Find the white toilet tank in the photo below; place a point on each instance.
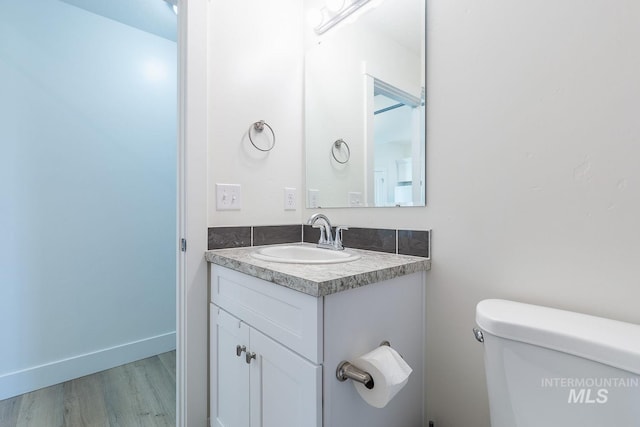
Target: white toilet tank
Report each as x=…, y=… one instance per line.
x=555, y=368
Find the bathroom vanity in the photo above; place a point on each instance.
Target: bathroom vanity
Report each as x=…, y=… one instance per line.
x=278, y=331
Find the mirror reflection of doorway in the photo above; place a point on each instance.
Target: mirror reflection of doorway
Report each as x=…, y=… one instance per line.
x=396, y=135
x=380, y=185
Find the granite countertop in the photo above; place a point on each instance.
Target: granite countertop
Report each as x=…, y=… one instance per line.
x=321, y=279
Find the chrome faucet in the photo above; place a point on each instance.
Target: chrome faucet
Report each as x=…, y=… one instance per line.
x=326, y=237
x=327, y=241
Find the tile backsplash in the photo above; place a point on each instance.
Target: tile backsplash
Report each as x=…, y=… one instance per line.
x=414, y=242
x=229, y=237
x=404, y=242
x=372, y=239
x=275, y=234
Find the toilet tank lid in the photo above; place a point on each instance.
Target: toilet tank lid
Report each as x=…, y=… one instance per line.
x=602, y=340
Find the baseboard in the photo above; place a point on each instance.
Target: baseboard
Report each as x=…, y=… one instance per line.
x=36, y=377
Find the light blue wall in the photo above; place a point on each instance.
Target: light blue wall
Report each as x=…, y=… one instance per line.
x=87, y=189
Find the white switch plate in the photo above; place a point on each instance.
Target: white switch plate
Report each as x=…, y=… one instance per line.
x=290, y=199
x=314, y=198
x=228, y=197
x=355, y=198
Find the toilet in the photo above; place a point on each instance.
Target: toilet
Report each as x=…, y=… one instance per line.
x=555, y=368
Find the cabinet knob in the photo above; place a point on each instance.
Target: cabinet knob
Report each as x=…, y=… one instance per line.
x=250, y=356
x=240, y=349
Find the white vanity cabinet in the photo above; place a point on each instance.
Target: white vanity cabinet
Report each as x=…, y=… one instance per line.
x=229, y=373
x=298, y=341
x=255, y=380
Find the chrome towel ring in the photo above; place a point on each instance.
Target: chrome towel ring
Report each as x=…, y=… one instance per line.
x=259, y=127
x=336, y=147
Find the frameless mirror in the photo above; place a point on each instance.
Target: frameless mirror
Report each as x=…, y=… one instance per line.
x=365, y=103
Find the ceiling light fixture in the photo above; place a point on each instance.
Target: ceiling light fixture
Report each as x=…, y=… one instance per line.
x=332, y=18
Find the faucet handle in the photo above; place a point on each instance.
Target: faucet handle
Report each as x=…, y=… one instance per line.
x=337, y=242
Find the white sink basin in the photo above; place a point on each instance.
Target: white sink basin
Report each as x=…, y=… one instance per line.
x=303, y=255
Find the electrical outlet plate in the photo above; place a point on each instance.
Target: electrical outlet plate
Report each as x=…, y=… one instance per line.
x=314, y=198
x=355, y=199
x=228, y=197
x=290, y=199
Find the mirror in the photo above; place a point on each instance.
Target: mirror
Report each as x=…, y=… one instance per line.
x=365, y=104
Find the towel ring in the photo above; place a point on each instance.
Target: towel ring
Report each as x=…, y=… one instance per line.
x=336, y=145
x=259, y=127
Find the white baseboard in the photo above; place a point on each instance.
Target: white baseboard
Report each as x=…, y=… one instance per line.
x=36, y=377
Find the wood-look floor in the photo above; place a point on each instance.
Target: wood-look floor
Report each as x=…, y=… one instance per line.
x=141, y=393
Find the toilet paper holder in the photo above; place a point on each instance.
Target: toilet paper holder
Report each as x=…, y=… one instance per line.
x=346, y=371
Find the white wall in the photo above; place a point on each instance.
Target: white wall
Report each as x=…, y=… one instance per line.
x=87, y=194
x=533, y=141
x=532, y=182
x=255, y=73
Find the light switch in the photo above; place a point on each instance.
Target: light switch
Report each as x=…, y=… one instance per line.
x=228, y=197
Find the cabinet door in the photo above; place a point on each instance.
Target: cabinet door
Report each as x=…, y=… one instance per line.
x=285, y=388
x=229, y=376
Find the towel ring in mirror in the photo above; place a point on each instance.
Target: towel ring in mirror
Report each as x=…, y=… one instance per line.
x=336, y=147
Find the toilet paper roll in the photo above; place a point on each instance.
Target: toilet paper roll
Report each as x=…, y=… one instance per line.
x=390, y=374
